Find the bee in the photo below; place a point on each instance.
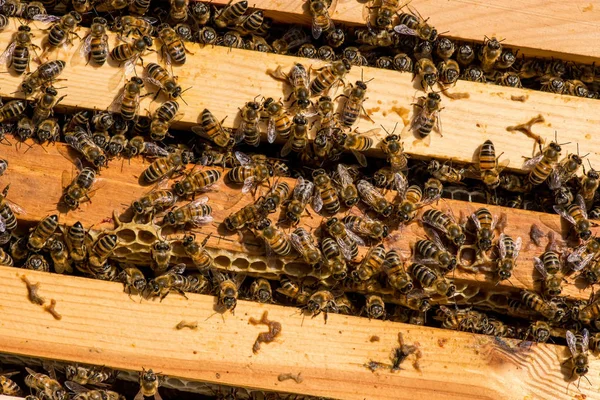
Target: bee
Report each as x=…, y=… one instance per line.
x=321, y=21
x=290, y=40
x=260, y=290
x=110, y=5
x=196, y=213
x=583, y=254
x=3, y=166
x=83, y=393
x=539, y=330
x=575, y=87
x=463, y=320
x=371, y=264
x=44, y=75
x=488, y=165
x=42, y=233
x=552, y=84
x=8, y=220
x=576, y=214
x=184, y=31
x=347, y=240
x=251, y=23
x=129, y=99
x=18, y=52
x=330, y=74
x=322, y=301
x=374, y=306
x=446, y=224
x=465, y=55
x=7, y=386
x=138, y=146
x=333, y=259
x=149, y=383
x=541, y=166
x=200, y=12
x=128, y=24
x=299, y=80
x=304, y=244
x=130, y=52
x=509, y=251
x=385, y=13
x=430, y=279
x=174, y=280
x=197, y=252
x=44, y=106
x=95, y=44
x=397, y=276
x=276, y=196
x=325, y=194
x=81, y=141
x=246, y=216
x=259, y=44
x=276, y=241
x=161, y=255
x=384, y=62
x=179, y=10
x=250, y=173
x=307, y=50
x=162, y=119
x=212, y=129
x=566, y=169
x=537, y=303
x=449, y=71
x=444, y=48
x=490, y=53
x=161, y=78
x=102, y=249
x=474, y=73
x=48, y=130
x=393, y=148
x=515, y=183
x=410, y=196
x=434, y=252
x=485, y=224
x=336, y=37
x=230, y=14
x=354, y=104
x=232, y=39
x=374, y=199
x=228, y=289
x=173, y=49
x=279, y=120
x=207, y=35
x=414, y=25
x=76, y=242
x=167, y=166
x=37, y=262
x=116, y=145
x=248, y=128
x=552, y=280
x=5, y=259
x=429, y=116
x=403, y=63
x=348, y=192
x=133, y=280
x=300, y=198
x=45, y=386
x=196, y=182
x=79, y=188
x=292, y=290
x=366, y=226
x=91, y=375
x=61, y=32
x=578, y=346
x=510, y=79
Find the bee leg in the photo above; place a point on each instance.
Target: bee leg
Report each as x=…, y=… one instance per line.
x=366, y=114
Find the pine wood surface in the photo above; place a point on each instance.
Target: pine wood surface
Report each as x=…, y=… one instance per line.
x=101, y=325
x=564, y=30
x=213, y=75
x=29, y=171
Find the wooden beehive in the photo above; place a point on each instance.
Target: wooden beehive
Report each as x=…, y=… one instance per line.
x=100, y=325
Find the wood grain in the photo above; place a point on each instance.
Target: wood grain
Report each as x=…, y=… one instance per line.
x=563, y=30
x=217, y=71
x=29, y=171
x=102, y=326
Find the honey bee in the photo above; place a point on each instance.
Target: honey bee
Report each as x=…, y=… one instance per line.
x=161, y=78
x=333, y=259
x=485, y=224
x=246, y=216
x=167, y=166
x=430, y=279
x=576, y=214
x=322, y=301
x=174, y=280
x=541, y=166
x=374, y=199
x=397, y=276
x=428, y=118
x=299, y=80
x=83, y=393
x=173, y=49
x=78, y=189
x=48, y=130
x=490, y=53
x=45, y=386
x=566, y=169
x=330, y=74
x=276, y=241
x=463, y=320
x=428, y=75
x=537, y=303
x=413, y=24
x=95, y=44
x=101, y=250
x=589, y=183
x=290, y=40
x=60, y=256
x=84, y=375
x=371, y=264
x=18, y=52
x=138, y=146
x=410, y=196
x=393, y=148
x=446, y=224
x=149, y=383
x=578, y=346
x=212, y=129
x=81, y=141
x=8, y=220
x=232, y=40
x=131, y=51
x=449, y=72
x=304, y=244
x=279, y=120
x=62, y=30
x=300, y=198
x=307, y=50
x=510, y=79
x=129, y=98
x=76, y=236
x=260, y=290
x=474, y=73
x=37, y=262
x=8, y=387
x=552, y=280
x=276, y=196
x=589, y=313
x=133, y=280
x=465, y=55
x=43, y=76
x=347, y=240
x=552, y=84
x=293, y=290
x=374, y=306
x=348, y=192
x=321, y=21
x=196, y=182
x=509, y=251
x=42, y=233
x=403, y=63
x=207, y=35
x=366, y=226
x=228, y=289
x=575, y=87
x=581, y=256
x=248, y=128
x=230, y=14
x=354, y=104
x=197, y=252
x=488, y=165
x=5, y=259
x=161, y=255
x=325, y=194
x=434, y=252
x=196, y=213
x=250, y=173
x=128, y=24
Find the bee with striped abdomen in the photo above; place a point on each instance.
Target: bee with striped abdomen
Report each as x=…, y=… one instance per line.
x=576, y=214
x=346, y=239
x=446, y=224
x=62, y=30
x=7, y=386
x=552, y=281
x=485, y=224
x=230, y=14
x=428, y=118
x=276, y=196
x=413, y=24
x=300, y=198
x=167, y=166
x=366, y=226
x=161, y=255
x=127, y=24
x=348, y=192
x=42, y=233
x=95, y=44
x=509, y=251
x=325, y=194
x=43, y=76
x=434, y=252
x=130, y=52
x=173, y=49
x=8, y=220
x=250, y=173
x=196, y=213
x=228, y=289
x=279, y=120
x=154, y=201
x=195, y=182
x=488, y=165
x=548, y=309
x=212, y=129
x=101, y=250
x=129, y=99
x=304, y=244
x=371, y=264
x=578, y=346
x=393, y=148
x=18, y=52
x=166, y=83
x=276, y=241
x=353, y=107
x=490, y=53
x=133, y=280
x=78, y=189
x=246, y=216
x=321, y=21
x=299, y=80
x=333, y=259
x=397, y=276
x=411, y=199
x=45, y=386
x=83, y=143
x=431, y=280
x=328, y=75
x=374, y=199
x=427, y=72
x=248, y=128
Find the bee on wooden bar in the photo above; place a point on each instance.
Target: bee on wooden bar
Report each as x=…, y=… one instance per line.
x=174, y=280
x=325, y=194
x=333, y=259
x=138, y=146
x=248, y=128
x=230, y=14
x=129, y=99
x=304, y=244
x=374, y=199
x=300, y=199
x=195, y=182
x=446, y=224
x=18, y=52
x=276, y=241
x=403, y=63
x=434, y=252
x=76, y=236
x=88, y=375
x=133, y=280
x=321, y=21
x=165, y=82
x=81, y=141
x=130, y=52
x=207, y=35
x=127, y=24
x=374, y=306
x=44, y=106
x=348, y=192
x=429, y=116
x=449, y=72
x=167, y=166
x=161, y=255
x=45, y=386
x=42, y=233
x=299, y=80
x=576, y=214
x=330, y=74
x=62, y=30
x=260, y=290
x=8, y=220
x=290, y=40
x=83, y=393
x=552, y=276
x=246, y=216
x=232, y=40
x=430, y=279
x=366, y=226
x=196, y=213
x=197, y=252
x=537, y=303
x=149, y=383
x=397, y=276
x=276, y=196
x=541, y=166
x=354, y=104
x=485, y=224
x=490, y=53
x=48, y=130
x=43, y=76
x=410, y=196
x=293, y=290
x=95, y=44
x=102, y=249
x=346, y=239
x=78, y=189
x=173, y=49
x=578, y=346
x=212, y=129
x=279, y=120
x=488, y=165
x=322, y=301
x=371, y=264
x=250, y=173
x=552, y=84
x=509, y=251
x=510, y=79
x=228, y=289
x=413, y=24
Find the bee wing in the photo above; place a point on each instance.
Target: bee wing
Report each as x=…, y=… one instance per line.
x=360, y=157
x=435, y=238
x=529, y=164
x=199, y=201
x=357, y=239
x=401, y=183
x=238, y=279
x=205, y=219
x=130, y=66
x=571, y=342
x=17, y=209
x=476, y=221
x=154, y=150
x=299, y=75
x=345, y=248
x=539, y=266
x=555, y=179
x=345, y=177
x=585, y=261
x=139, y=396
x=239, y=132
x=518, y=244
x=316, y=29
x=243, y=158
x=501, y=246
x=3, y=226
x=296, y=242
x=563, y=213
x=249, y=184
x=317, y=201
x=76, y=387
x=438, y=122
x=271, y=134
x=7, y=54
x=46, y=18
x=585, y=340
x=287, y=147
x=581, y=203
x=303, y=190
x=177, y=269
x=367, y=191
x=405, y=30
x=575, y=256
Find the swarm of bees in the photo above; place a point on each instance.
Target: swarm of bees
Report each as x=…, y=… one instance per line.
x=360, y=204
